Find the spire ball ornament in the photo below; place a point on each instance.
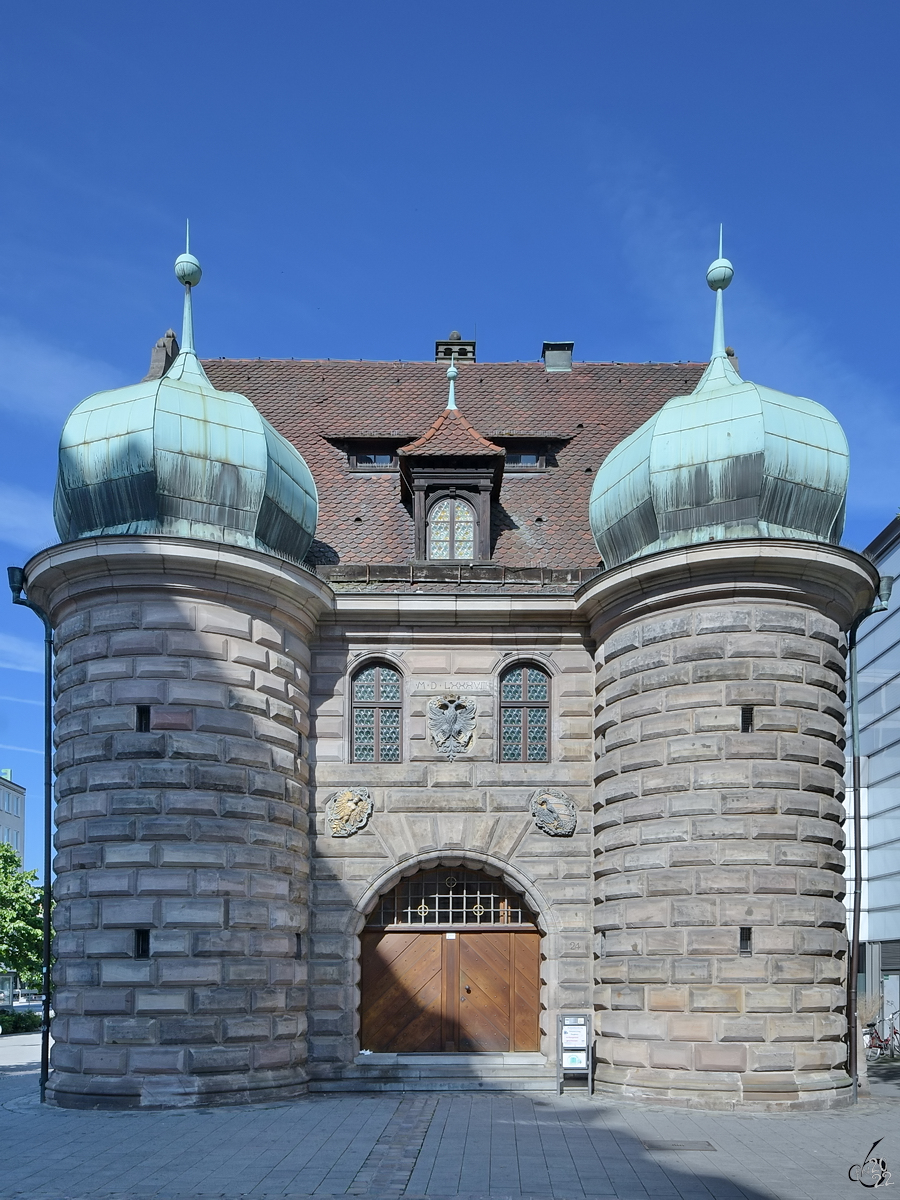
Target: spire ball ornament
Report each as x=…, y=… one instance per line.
x=719, y=274
x=187, y=270
x=452, y=370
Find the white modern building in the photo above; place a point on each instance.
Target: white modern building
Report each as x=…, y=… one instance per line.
x=12, y=813
x=879, y=717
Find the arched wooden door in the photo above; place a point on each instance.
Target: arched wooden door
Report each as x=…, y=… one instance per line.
x=450, y=962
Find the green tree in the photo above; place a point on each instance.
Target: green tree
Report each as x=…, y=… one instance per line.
x=21, y=919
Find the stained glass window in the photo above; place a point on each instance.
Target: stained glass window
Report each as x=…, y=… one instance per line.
x=451, y=531
x=525, y=715
x=376, y=703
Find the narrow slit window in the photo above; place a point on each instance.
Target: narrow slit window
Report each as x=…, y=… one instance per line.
x=142, y=718
x=298, y=948
x=525, y=714
x=142, y=943
x=747, y=718
x=746, y=941
x=377, y=693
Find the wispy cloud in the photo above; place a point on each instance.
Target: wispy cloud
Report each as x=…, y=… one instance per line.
x=21, y=749
x=27, y=518
x=44, y=382
x=21, y=700
x=667, y=236
x=20, y=654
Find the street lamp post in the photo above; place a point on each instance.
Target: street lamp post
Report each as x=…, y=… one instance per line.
x=16, y=577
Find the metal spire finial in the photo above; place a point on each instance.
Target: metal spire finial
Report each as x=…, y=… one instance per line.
x=718, y=276
x=452, y=372
x=188, y=272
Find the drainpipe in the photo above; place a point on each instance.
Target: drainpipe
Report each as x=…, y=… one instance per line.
x=16, y=577
x=880, y=605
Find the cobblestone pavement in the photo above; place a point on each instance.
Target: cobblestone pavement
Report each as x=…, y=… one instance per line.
x=467, y=1146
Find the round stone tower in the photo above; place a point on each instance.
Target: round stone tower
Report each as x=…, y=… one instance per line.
x=720, y=621
x=182, y=622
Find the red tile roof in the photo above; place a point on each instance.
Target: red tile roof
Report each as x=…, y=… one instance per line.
x=451, y=434
x=541, y=518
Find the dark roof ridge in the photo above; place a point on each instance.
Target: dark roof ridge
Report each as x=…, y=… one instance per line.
x=427, y=362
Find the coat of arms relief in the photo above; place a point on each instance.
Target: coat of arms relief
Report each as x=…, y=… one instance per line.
x=348, y=810
x=451, y=723
x=554, y=812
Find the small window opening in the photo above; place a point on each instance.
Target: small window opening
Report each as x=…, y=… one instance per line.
x=746, y=941
x=142, y=943
x=298, y=949
x=747, y=718
x=142, y=718
x=374, y=460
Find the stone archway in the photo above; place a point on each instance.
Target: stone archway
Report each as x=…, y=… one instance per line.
x=450, y=961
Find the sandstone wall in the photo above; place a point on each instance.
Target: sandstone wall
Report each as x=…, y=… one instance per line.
x=428, y=810
x=182, y=715
x=703, y=830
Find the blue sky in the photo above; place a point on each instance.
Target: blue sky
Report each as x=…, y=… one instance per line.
x=363, y=177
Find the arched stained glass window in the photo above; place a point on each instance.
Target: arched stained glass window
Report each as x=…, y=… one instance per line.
x=377, y=698
x=451, y=530
x=525, y=714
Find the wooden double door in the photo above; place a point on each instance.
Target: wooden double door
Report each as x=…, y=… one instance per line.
x=471, y=991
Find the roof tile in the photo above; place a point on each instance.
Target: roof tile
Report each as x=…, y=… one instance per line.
x=541, y=517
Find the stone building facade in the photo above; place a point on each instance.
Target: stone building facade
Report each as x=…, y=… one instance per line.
x=369, y=766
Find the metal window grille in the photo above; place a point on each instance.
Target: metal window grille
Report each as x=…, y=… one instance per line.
x=746, y=946
x=525, y=714
x=451, y=531
x=746, y=718
x=142, y=718
x=142, y=943
x=448, y=896
x=377, y=698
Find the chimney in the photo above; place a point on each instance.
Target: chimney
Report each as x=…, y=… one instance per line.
x=464, y=351
x=162, y=356
x=557, y=356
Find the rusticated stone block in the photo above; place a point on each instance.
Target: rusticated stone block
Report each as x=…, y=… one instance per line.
x=773, y=999
x=720, y=1057
x=715, y=999
x=691, y=1027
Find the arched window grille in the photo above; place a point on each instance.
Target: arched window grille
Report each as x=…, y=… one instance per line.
x=451, y=896
x=525, y=714
x=377, y=698
x=451, y=530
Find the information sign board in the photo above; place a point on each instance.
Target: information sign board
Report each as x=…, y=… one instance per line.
x=574, y=1048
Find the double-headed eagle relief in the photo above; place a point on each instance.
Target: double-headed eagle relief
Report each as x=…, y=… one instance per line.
x=554, y=812
x=348, y=811
x=451, y=723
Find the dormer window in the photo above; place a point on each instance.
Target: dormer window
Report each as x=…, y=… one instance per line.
x=525, y=457
x=451, y=530
x=362, y=457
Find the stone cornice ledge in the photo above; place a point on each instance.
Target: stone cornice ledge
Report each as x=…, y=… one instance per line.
x=133, y=563
x=419, y=608
x=838, y=583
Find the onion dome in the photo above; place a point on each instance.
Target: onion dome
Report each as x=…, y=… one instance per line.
x=731, y=460
x=174, y=455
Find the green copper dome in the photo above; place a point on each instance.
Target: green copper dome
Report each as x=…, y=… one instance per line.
x=176, y=456
x=731, y=460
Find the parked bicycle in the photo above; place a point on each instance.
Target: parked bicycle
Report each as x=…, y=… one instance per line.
x=879, y=1044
